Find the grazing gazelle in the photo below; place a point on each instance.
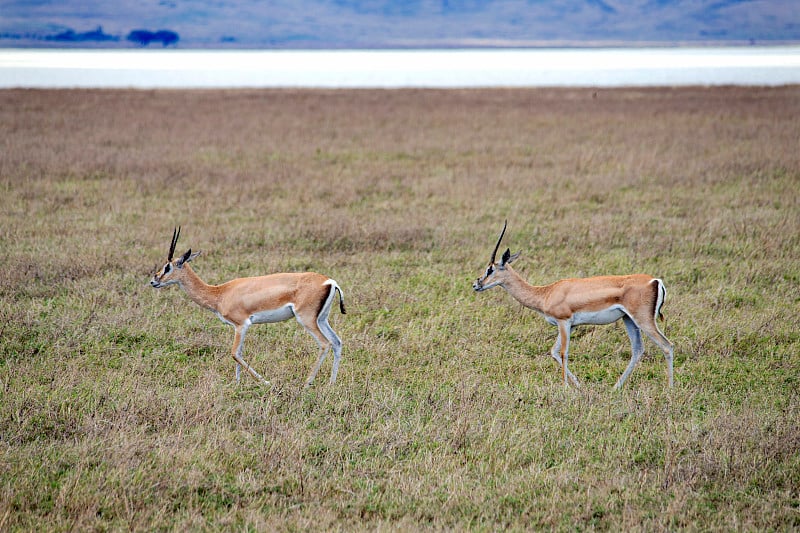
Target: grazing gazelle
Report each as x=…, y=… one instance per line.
x=636, y=299
x=242, y=302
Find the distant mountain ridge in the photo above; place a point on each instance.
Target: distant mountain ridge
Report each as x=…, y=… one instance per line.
x=396, y=24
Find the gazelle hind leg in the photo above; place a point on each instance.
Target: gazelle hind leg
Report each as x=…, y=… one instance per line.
x=335, y=342
x=637, y=349
x=662, y=342
x=326, y=338
x=651, y=329
x=324, y=345
x=322, y=354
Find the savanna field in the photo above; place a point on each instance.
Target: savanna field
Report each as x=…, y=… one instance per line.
x=118, y=404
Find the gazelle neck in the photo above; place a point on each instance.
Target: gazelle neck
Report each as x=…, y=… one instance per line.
x=199, y=291
x=528, y=295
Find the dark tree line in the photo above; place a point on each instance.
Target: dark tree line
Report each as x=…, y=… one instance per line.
x=145, y=37
x=140, y=37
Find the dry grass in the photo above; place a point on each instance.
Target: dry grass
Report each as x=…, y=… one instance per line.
x=118, y=408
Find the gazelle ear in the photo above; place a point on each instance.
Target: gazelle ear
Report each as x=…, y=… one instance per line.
x=188, y=256
x=508, y=258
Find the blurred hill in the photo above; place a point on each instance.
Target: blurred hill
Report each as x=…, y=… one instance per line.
x=395, y=24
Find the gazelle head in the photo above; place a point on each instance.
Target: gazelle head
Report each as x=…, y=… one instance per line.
x=171, y=272
x=496, y=273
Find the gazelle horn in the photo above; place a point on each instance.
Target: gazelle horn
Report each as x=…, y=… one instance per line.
x=175, y=234
x=497, y=247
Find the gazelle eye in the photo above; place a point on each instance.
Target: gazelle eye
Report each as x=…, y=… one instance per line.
x=168, y=268
x=489, y=271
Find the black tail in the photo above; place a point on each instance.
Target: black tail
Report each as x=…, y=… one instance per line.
x=341, y=301
x=661, y=297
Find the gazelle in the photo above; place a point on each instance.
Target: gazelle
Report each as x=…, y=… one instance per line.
x=242, y=302
x=636, y=299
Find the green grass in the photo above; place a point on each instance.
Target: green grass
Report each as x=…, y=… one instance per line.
x=118, y=405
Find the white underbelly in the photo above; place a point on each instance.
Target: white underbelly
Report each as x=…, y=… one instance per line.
x=273, y=315
x=604, y=316
x=219, y=315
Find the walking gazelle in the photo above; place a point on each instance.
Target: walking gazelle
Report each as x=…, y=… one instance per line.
x=636, y=299
x=242, y=302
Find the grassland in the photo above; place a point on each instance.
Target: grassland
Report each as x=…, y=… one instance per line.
x=118, y=407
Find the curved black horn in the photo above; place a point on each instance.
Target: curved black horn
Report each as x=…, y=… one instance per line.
x=175, y=234
x=494, y=254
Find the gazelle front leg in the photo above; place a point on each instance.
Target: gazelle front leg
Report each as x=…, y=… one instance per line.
x=555, y=353
x=236, y=352
x=563, y=332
